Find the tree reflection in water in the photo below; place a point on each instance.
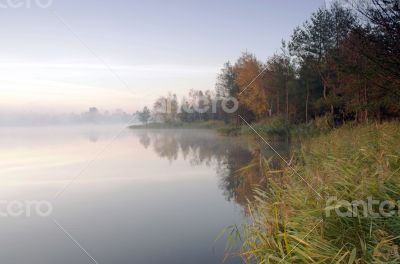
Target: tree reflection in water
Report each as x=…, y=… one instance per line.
x=241, y=163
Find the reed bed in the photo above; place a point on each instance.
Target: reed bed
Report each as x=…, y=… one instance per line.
x=296, y=220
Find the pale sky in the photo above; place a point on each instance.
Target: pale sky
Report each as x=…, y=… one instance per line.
x=124, y=53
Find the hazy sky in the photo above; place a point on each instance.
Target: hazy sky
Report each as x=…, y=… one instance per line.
x=123, y=53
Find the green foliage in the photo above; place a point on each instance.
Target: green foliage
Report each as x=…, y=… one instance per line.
x=269, y=126
x=226, y=81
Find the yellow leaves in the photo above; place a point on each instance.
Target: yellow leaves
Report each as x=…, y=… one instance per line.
x=254, y=97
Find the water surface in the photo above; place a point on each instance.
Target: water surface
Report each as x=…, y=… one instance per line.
x=131, y=197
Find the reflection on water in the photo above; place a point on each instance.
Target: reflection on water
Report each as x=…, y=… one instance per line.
x=144, y=197
x=226, y=155
x=240, y=163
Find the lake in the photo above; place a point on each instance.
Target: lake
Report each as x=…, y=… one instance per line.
x=123, y=196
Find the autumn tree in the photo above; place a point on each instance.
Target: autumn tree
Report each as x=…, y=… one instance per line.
x=252, y=93
x=337, y=63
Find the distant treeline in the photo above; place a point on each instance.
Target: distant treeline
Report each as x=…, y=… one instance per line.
x=92, y=116
x=343, y=62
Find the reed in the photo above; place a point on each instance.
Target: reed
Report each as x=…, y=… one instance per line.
x=291, y=223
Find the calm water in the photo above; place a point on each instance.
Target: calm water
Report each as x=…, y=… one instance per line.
x=142, y=197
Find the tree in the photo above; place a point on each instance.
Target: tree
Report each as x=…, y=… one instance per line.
x=309, y=87
x=317, y=45
x=225, y=87
x=280, y=73
x=336, y=64
x=166, y=108
x=381, y=49
x=93, y=115
x=384, y=19
x=253, y=91
x=144, y=115
x=226, y=81
x=185, y=113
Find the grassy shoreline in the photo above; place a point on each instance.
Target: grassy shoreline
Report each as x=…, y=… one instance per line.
x=289, y=223
x=270, y=127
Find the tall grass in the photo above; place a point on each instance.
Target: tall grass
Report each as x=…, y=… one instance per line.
x=289, y=221
x=279, y=126
x=271, y=126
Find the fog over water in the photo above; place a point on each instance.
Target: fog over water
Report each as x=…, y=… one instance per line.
x=140, y=197
x=92, y=116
